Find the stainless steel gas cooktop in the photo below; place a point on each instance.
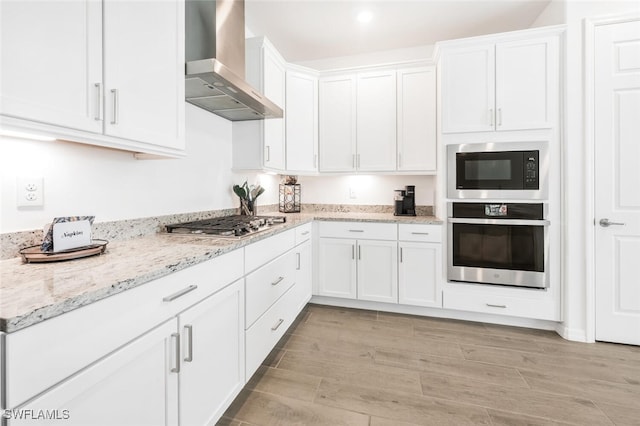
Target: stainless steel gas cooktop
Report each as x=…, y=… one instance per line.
x=227, y=226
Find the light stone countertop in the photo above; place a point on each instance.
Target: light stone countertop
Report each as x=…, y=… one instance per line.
x=31, y=293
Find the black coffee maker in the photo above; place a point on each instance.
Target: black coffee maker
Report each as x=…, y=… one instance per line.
x=405, y=201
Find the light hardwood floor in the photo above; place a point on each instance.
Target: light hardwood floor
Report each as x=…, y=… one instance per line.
x=338, y=366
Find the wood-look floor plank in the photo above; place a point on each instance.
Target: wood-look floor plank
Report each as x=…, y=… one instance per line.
x=518, y=400
x=398, y=406
x=352, y=370
x=505, y=418
x=595, y=390
x=553, y=364
x=268, y=409
x=380, y=421
x=622, y=415
x=488, y=373
x=283, y=382
x=359, y=324
x=299, y=342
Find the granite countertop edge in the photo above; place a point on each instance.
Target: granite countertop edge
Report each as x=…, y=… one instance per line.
x=205, y=248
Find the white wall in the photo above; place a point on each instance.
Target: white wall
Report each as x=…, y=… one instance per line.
x=112, y=185
x=368, y=189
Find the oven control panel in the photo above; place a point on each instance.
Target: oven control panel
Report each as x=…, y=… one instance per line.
x=531, y=170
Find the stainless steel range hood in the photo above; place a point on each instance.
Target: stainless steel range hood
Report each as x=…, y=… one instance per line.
x=215, y=69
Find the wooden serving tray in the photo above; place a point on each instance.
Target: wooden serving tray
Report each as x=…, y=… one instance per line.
x=34, y=254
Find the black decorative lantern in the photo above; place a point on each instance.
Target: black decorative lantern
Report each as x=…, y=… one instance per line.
x=290, y=198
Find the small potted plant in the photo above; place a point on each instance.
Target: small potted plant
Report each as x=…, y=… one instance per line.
x=248, y=195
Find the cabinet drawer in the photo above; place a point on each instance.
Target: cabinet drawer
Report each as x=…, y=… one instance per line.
x=303, y=233
x=359, y=230
x=259, y=253
x=267, y=284
x=421, y=233
x=268, y=329
x=75, y=339
x=476, y=301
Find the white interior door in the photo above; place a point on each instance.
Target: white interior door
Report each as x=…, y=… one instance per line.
x=617, y=177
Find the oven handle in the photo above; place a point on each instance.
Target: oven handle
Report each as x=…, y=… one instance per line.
x=500, y=221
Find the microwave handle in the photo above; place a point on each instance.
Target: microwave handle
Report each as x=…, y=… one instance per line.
x=530, y=222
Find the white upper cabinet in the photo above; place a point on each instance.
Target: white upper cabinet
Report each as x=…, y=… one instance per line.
x=106, y=73
x=417, y=136
x=302, y=122
x=376, y=121
x=337, y=123
x=51, y=55
x=260, y=144
x=144, y=71
x=503, y=86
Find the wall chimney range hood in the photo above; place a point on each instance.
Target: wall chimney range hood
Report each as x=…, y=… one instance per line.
x=215, y=68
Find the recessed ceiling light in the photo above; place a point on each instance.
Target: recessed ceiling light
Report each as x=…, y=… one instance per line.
x=364, y=16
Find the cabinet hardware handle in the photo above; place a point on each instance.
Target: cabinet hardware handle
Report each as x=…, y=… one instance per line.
x=189, y=332
x=278, y=281
x=491, y=117
x=359, y=252
x=419, y=233
x=297, y=261
x=496, y=306
x=353, y=251
x=499, y=116
x=400, y=254
x=268, y=153
x=275, y=327
x=305, y=233
x=356, y=230
x=176, y=338
x=116, y=107
x=98, y=115
x=178, y=294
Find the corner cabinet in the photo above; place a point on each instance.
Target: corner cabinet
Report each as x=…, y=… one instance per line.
x=91, y=93
x=510, y=84
x=260, y=144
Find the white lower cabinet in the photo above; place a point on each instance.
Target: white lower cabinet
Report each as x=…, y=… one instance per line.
x=378, y=271
x=211, y=355
x=304, y=273
x=420, y=274
x=132, y=386
x=337, y=268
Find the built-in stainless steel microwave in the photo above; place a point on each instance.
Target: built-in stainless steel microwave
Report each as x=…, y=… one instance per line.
x=501, y=170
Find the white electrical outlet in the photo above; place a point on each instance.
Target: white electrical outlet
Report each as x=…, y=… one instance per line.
x=30, y=192
x=352, y=193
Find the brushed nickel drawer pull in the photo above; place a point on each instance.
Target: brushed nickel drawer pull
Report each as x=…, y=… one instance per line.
x=180, y=293
x=98, y=88
x=304, y=233
x=419, y=233
x=400, y=254
x=278, y=281
x=297, y=261
x=356, y=230
x=116, y=106
x=176, y=338
x=189, y=332
x=496, y=306
x=275, y=327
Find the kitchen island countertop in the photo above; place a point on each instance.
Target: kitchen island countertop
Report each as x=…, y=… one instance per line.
x=31, y=293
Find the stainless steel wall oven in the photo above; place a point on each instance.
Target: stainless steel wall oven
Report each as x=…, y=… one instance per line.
x=498, y=243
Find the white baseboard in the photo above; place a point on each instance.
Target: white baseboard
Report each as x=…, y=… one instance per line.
x=573, y=334
x=438, y=313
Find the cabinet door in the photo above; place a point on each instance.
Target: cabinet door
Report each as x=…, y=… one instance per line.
x=274, y=89
x=133, y=386
x=468, y=89
x=378, y=271
x=51, y=55
x=376, y=121
x=420, y=274
x=525, y=84
x=303, y=274
x=212, y=370
x=337, y=268
x=302, y=122
x=417, y=119
x=337, y=124
x=144, y=71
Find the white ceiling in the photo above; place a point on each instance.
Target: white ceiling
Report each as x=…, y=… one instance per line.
x=307, y=30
